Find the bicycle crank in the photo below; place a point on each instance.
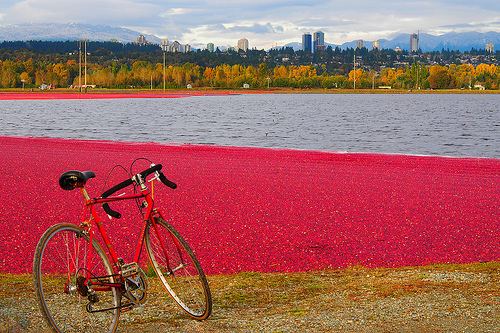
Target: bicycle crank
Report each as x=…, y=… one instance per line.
x=136, y=284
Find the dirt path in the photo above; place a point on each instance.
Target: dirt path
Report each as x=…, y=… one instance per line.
x=452, y=298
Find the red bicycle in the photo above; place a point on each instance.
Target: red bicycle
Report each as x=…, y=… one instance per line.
x=78, y=287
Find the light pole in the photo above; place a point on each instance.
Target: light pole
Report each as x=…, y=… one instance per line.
x=268, y=78
x=23, y=80
x=80, y=58
x=163, y=70
x=373, y=80
x=85, y=65
x=354, y=70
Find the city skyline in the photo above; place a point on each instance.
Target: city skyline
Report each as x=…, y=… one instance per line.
x=265, y=24
x=310, y=43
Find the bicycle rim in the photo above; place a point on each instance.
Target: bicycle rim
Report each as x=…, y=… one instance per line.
x=185, y=281
x=62, y=255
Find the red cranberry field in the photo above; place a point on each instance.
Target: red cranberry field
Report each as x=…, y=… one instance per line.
x=269, y=210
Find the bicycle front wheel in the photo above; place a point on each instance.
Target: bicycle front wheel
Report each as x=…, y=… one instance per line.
x=178, y=269
x=63, y=259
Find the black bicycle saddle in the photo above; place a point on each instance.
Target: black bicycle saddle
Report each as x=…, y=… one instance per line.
x=73, y=179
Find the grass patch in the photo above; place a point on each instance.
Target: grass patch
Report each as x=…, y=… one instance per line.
x=297, y=293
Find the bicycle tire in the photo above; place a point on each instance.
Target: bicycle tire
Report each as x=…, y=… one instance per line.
x=62, y=254
x=186, y=282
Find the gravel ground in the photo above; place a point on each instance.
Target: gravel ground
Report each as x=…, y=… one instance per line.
x=463, y=298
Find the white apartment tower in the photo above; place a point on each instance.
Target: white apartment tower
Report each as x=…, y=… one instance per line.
x=175, y=47
x=376, y=45
x=490, y=47
x=164, y=45
x=243, y=44
x=360, y=44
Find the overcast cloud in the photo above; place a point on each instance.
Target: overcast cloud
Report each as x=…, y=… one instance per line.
x=263, y=22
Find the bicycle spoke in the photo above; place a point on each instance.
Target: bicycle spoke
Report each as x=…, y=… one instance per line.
x=62, y=256
x=178, y=269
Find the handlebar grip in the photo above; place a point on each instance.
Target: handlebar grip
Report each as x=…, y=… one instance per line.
x=167, y=182
x=128, y=182
x=112, y=190
x=118, y=187
x=111, y=212
x=149, y=171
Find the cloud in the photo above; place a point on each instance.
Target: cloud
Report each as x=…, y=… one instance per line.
x=316, y=22
x=111, y=12
x=262, y=21
x=257, y=28
x=464, y=25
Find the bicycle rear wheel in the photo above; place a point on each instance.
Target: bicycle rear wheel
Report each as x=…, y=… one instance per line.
x=178, y=269
x=63, y=255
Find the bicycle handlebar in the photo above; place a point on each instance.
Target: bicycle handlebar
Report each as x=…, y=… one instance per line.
x=144, y=174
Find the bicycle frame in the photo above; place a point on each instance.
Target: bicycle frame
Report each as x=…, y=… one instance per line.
x=80, y=285
x=95, y=219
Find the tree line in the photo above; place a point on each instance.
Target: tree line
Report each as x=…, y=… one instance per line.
x=144, y=74
x=113, y=65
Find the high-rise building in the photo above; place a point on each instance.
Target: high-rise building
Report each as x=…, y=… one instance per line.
x=210, y=47
x=318, y=40
x=376, y=45
x=243, y=44
x=306, y=42
x=164, y=45
x=490, y=47
x=141, y=40
x=187, y=48
x=414, y=47
x=175, y=47
x=360, y=44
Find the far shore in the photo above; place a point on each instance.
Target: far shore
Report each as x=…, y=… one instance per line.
x=62, y=93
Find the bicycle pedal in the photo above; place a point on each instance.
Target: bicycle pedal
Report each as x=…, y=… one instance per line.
x=126, y=307
x=127, y=270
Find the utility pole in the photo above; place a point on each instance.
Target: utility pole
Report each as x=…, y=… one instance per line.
x=418, y=71
x=85, y=65
x=80, y=66
x=354, y=70
x=80, y=61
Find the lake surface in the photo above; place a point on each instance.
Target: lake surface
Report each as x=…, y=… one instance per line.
x=416, y=124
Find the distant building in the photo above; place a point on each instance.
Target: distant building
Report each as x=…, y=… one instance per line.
x=490, y=47
x=414, y=40
x=141, y=40
x=376, y=45
x=320, y=48
x=187, y=48
x=360, y=44
x=243, y=44
x=398, y=49
x=307, y=42
x=210, y=47
x=164, y=45
x=318, y=40
x=175, y=47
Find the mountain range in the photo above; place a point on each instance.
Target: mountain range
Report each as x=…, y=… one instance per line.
x=70, y=31
x=74, y=31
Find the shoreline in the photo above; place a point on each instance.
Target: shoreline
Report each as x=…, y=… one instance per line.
x=17, y=94
x=268, y=210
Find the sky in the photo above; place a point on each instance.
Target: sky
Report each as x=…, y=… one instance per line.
x=265, y=23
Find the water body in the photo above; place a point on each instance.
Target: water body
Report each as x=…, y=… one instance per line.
x=417, y=124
